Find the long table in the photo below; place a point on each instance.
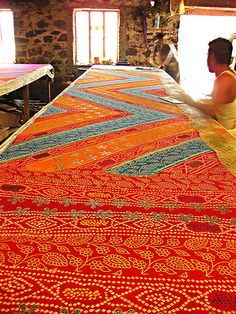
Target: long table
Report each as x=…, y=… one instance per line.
x=115, y=200
x=15, y=76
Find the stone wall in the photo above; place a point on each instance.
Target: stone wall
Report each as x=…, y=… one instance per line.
x=140, y=38
x=41, y=33
x=44, y=34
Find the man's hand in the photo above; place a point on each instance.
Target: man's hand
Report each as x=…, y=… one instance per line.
x=204, y=105
x=187, y=99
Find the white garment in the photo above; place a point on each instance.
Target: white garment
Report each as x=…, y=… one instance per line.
x=173, y=52
x=226, y=113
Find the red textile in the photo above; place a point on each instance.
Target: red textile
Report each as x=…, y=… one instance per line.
x=139, y=218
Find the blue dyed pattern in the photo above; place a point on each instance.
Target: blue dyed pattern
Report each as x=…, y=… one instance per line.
x=138, y=116
x=155, y=162
x=50, y=110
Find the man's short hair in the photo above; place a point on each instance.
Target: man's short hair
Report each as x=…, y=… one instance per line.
x=158, y=36
x=222, y=49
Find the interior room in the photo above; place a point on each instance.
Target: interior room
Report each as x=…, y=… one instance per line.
x=117, y=156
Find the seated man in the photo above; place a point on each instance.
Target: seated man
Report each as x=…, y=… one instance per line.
x=223, y=106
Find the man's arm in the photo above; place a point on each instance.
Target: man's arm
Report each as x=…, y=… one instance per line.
x=155, y=59
x=168, y=58
x=224, y=92
x=206, y=105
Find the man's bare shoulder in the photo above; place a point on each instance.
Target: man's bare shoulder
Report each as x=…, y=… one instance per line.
x=228, y=75
x=227, y=78
x=225, y=88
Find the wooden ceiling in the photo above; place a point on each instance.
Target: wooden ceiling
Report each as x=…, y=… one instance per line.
x=211, y=3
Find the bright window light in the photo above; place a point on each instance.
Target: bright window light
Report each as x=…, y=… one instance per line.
x=96, y=36
x=82, y=37
x=7, y=39
x=96, y=31
x=194, y=35
x=111, y=35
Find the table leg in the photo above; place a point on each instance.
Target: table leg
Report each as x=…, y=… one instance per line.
x=49, y=89
x=26, y=114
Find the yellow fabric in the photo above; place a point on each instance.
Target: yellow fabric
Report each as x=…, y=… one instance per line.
x=226, y=113
x=222, y=141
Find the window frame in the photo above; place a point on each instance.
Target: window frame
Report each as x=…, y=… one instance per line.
x=10, y=57
x=75, y=34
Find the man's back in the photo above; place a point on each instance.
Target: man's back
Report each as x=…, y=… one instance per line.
x=224, y=98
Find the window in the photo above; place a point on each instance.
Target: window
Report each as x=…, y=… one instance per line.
x=96, y=36
x=7, y=39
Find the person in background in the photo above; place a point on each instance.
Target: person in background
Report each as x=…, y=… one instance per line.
x=169, y=62
x=158, y=42
x=164, y=56
x=223, y=98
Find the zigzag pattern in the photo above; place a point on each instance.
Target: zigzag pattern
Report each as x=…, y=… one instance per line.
x=110, y=202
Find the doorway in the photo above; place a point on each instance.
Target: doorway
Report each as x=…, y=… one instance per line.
x=194, y=34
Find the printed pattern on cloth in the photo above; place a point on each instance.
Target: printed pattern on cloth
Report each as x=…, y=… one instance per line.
x=115, y=200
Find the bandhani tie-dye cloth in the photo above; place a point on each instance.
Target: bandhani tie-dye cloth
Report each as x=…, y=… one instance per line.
x=113, y=199
x=14, y=76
